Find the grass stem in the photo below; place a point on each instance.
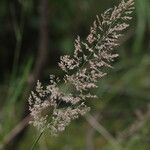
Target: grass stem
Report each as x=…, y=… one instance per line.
x=36, y=140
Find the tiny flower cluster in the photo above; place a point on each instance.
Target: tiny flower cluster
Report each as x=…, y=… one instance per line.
x=82, y=72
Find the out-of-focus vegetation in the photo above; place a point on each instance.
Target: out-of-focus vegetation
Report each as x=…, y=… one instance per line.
x=123, y=107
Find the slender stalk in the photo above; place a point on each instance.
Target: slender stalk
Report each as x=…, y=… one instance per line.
x=99, y=128
x=36, y=140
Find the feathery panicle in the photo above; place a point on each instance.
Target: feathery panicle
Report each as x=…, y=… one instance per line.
x=82, y=72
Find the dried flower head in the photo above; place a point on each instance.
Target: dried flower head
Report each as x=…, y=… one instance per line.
x=50, y=107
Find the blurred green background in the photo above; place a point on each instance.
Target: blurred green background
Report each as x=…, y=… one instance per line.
x=33, y=35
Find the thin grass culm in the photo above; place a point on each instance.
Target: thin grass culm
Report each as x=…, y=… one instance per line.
x=53, y=109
